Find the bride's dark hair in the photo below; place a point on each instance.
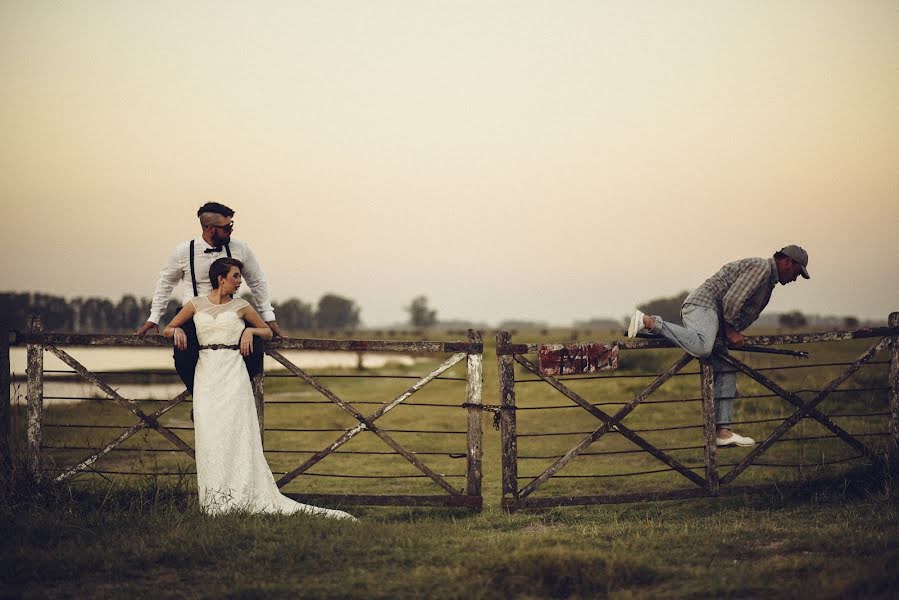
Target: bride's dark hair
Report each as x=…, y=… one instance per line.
x=220, y=268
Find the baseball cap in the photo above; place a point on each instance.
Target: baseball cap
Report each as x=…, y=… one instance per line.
x=799, y=255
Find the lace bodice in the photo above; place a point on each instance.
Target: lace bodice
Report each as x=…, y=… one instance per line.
x=218, y=323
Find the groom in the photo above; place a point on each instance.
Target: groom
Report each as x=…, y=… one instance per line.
x=190, y=262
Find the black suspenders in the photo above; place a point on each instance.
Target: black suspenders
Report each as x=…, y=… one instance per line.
x=193, y=273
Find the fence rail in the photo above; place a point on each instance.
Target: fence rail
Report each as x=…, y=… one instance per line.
x=706, y=478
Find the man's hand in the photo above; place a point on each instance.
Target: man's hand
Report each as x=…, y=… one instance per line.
x=147, y=327
x=734, y=337
x=273, y=325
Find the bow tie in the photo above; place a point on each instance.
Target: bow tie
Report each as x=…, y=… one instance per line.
x=211, y=250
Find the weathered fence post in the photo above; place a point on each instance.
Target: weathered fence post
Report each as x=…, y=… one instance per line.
x=5, y=383
x=894, y=392
x=707, y=387
x=474, y=375
x=259, y=395
x=507, y=416
x=35, y=371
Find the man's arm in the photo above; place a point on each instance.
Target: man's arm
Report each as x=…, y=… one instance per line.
x=256, y=280
x=169, y=277
x=746, y=284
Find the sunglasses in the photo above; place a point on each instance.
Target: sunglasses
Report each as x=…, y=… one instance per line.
x=229, y=227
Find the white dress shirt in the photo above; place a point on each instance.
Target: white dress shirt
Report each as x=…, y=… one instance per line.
x=177, y=269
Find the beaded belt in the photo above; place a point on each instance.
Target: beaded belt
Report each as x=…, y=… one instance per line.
x=220, y=347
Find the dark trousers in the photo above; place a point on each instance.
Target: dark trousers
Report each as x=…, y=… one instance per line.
x=186, y=360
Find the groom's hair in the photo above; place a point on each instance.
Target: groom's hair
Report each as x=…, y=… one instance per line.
x=220, y=268
x=213, y=208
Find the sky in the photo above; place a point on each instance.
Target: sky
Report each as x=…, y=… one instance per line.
x=550, y=161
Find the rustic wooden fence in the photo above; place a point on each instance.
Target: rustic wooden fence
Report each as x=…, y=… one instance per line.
x=710, y=482
x=469, y=353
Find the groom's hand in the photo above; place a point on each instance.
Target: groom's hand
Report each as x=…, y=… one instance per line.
x=147, y=327
x=273, y=325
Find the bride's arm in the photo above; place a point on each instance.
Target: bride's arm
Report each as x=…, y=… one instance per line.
x=257, y=327
x=173, y=329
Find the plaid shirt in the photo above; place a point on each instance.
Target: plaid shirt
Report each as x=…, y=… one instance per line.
x=739, y=291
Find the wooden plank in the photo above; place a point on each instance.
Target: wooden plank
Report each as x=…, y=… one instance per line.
x=258, y=384
x=828, y=336
x=757, y=340
x=507, y=417
x=894, y=394
x=610, y=423
x=576, y=359
x=651, y=496
x=473, y=393
x=374, y=345
x=35, y=371
x=367, y=422
x=152, y=423
x=804, y=410
x=88, y=339
x=709, y=427
x=511, y=504
x=139, y=426
x=5, y=383
x=457, y=501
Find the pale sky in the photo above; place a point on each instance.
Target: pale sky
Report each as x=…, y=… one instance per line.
x=550, y=161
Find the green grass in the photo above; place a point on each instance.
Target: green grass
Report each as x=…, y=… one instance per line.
x=834, y=536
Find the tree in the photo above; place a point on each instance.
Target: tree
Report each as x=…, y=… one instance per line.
x=419, y=313
x=130, y=313
x=294, y=314
x=792, y=320
x=667, y=308
x=850, y=322
x=336, y=312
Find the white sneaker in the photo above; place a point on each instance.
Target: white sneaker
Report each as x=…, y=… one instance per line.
x=734, y=440
x=636, y=324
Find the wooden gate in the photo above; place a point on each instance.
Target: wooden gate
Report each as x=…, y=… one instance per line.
x=710, y=483
x=469, y=353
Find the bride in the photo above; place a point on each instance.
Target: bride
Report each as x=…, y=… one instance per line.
x=232, y=473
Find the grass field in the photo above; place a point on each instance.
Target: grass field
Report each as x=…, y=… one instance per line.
x=144, y=536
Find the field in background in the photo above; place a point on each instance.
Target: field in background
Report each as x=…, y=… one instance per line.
x=835, y=537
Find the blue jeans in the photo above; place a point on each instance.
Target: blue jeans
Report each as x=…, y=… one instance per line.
x=697, y=337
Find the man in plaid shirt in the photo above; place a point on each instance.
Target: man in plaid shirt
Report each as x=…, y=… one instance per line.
x=726, y=304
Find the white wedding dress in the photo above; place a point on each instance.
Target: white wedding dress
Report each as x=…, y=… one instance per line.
x=232, y=473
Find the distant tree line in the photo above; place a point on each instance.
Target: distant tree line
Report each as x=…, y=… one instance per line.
x=102, y=315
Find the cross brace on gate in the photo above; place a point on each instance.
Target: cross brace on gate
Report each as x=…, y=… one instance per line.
x=367, y=423
x=610, y=423
x=150, y=421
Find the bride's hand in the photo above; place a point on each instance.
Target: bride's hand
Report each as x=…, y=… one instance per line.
x=246, y=342
x=180, y=338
